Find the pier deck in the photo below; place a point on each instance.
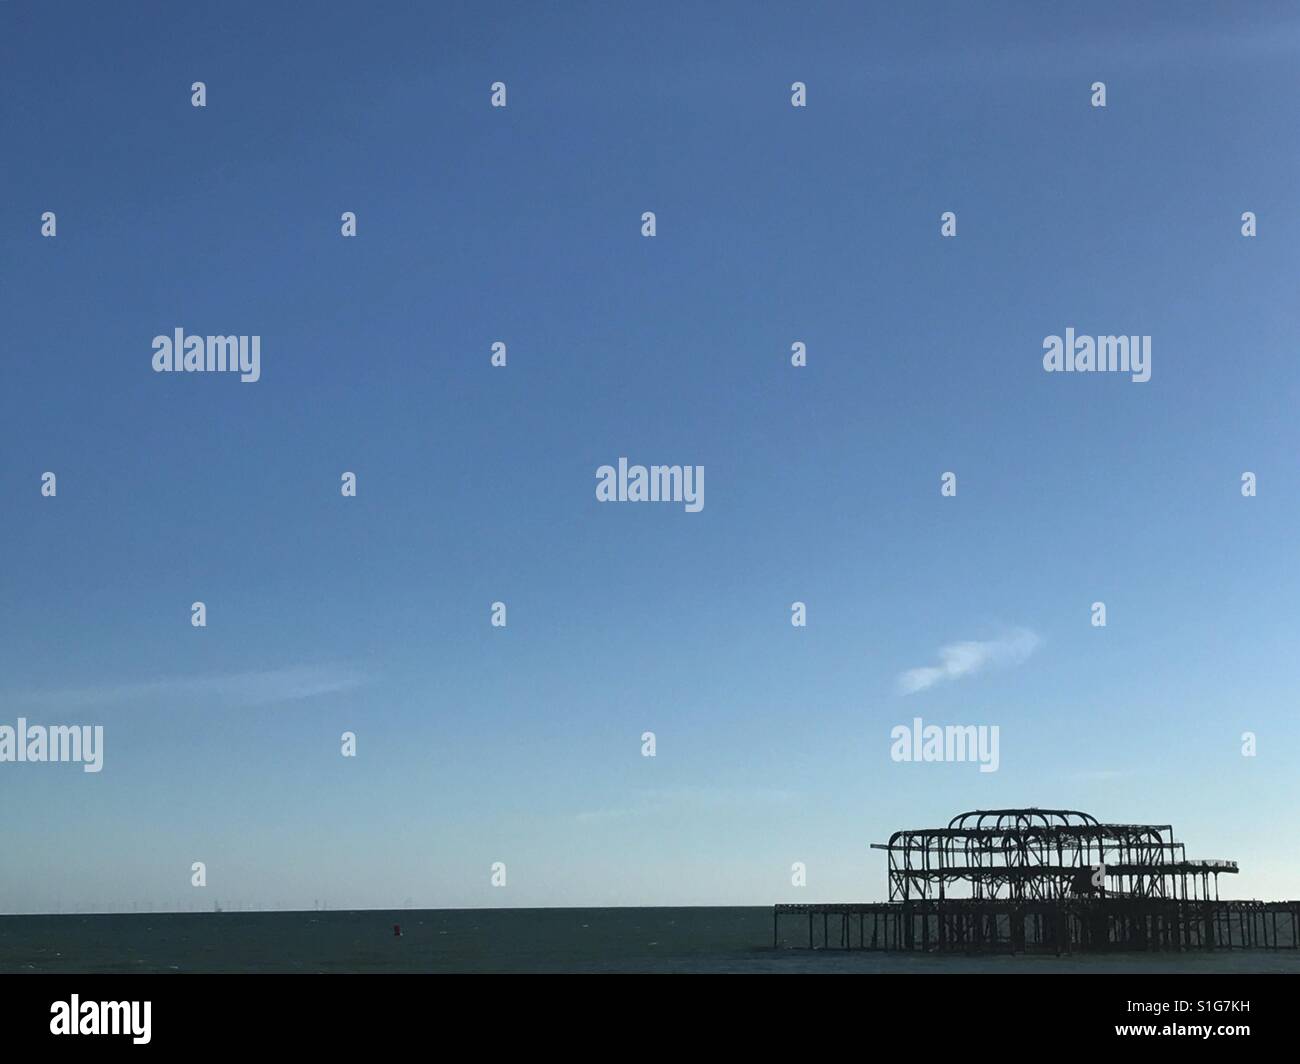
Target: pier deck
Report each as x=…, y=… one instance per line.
x=1053, y=926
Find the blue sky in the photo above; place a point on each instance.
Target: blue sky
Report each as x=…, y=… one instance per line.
x=476, y=484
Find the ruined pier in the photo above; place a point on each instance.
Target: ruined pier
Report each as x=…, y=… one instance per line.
x=1043, y=880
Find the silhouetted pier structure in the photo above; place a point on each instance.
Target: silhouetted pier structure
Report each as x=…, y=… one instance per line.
x=1054, y=880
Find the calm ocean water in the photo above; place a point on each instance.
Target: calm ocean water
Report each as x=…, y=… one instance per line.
x=503, y=940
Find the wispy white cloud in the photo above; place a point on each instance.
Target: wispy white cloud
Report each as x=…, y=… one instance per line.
x=1100, y=775
x=653, y=801
x=962, y=659
x=258, y=688
x=1044, y=55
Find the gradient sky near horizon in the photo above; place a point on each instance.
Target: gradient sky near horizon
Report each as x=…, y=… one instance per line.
x=476, y=484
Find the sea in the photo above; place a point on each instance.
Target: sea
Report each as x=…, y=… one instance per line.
x=656, y=940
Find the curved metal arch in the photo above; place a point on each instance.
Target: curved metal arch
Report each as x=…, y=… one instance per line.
x=1024, y=818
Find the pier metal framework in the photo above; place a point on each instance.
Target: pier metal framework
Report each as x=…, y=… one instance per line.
x=1049, y=879
x=1045, y=855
